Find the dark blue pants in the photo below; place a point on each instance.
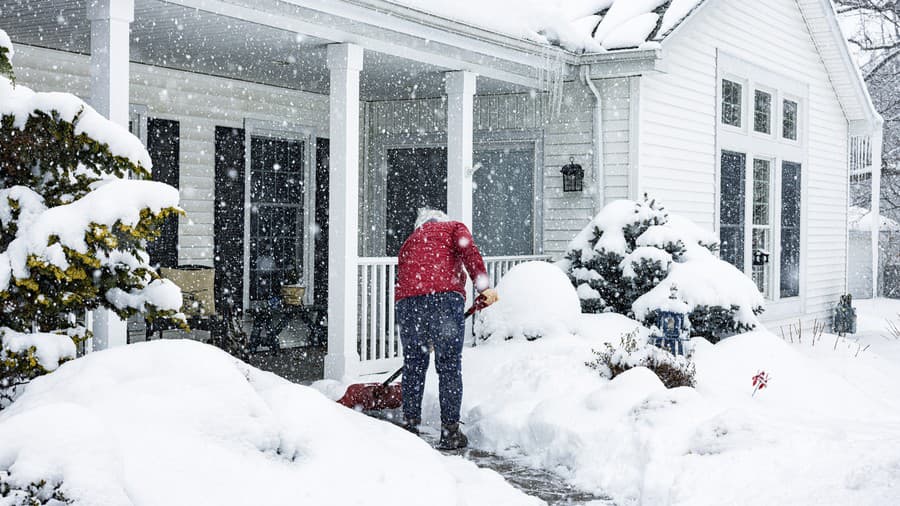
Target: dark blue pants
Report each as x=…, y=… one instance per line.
x=435, y=319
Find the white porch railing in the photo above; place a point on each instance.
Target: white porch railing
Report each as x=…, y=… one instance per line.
x=379, y=344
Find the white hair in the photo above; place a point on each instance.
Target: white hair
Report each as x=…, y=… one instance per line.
x=427, y=214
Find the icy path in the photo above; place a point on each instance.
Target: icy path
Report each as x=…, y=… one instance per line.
x=535, y=482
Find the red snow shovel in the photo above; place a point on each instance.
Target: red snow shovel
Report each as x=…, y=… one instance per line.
x=384, y=395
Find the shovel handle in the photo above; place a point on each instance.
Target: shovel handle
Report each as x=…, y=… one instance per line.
x=469, y=312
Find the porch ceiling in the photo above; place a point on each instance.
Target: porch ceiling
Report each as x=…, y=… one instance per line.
x=174, y=36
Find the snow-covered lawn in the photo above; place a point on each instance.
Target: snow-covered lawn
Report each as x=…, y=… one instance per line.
x=178, y=422
x=182, y=423
x=826, y=431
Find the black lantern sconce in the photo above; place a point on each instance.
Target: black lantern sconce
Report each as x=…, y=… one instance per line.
x=760, y=257
x=573, y=176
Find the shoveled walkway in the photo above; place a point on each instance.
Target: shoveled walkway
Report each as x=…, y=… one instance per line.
x=305, y=365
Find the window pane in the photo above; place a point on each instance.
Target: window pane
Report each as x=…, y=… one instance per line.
x=503, y=201
x=731, y=103
x=790, y=120
x=731, y=215
x=761, y=183
x=762, y=117
x=762, y=229
x=276, y=193
x=790, y=229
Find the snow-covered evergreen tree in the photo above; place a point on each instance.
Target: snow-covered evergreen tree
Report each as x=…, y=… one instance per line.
x=629, y=256
x=73, y=227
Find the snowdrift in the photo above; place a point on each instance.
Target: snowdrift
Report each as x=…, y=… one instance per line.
x=826, y=431
x=179, y=422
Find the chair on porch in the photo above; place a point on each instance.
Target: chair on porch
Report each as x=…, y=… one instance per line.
x=197, y=284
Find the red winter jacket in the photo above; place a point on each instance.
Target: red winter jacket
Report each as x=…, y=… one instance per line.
x=432, y=258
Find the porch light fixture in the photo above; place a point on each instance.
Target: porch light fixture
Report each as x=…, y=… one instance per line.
x=573, y=176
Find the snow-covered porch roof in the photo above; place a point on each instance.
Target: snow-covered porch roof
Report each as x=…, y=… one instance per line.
x=281, y=44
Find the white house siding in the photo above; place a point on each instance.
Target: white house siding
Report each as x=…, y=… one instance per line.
x=560, y=135
x=677, y=154
x=200, y=103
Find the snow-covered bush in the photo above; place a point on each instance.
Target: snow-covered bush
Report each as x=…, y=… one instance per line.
x=39, y=493
x=73, y=229
x=627, y=259
x=23, y=357
x=633, y=351
x=536, y=300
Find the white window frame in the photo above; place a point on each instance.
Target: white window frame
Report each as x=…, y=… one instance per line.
x=773, y=113
x=137, y=115
x=776, y=149
x=799, y=101
x=291, y=131
x=728, y=76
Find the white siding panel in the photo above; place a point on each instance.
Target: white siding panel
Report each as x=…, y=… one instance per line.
x=677, y=153
x=199, y=103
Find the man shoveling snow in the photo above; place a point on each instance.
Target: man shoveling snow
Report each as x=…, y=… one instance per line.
x=430, y=295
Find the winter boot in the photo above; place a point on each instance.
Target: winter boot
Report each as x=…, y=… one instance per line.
x=452, y=438
x=412, y=425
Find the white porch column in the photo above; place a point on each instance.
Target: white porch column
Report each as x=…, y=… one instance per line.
x=110, y=26
x=877, y=140
x=460, y=104
x=345, y=62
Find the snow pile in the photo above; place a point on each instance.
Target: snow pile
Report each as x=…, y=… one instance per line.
x=860, y=220
x=179, y=422
x=577, y=25
x=536, y=299
x=825, y=431
x=6, y=43
x=49, y=349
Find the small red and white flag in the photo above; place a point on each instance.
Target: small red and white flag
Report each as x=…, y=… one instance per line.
x=760, y=381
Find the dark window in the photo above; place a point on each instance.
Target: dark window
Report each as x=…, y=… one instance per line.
x=789, y=128
x=163, y=145
x=790, y=229
x=276, y=215
x=731, y=209
x=762, y=112
x=731, y=103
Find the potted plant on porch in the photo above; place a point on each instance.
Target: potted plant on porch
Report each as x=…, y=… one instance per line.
x=292, y=291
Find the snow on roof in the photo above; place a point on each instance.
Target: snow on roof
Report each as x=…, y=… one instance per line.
x=577, y=25
x=861, y=220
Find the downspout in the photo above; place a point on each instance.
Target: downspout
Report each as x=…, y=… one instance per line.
x=877, y=137
x=598, y=193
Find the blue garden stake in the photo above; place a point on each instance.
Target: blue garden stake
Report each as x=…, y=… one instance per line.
x=670, y=331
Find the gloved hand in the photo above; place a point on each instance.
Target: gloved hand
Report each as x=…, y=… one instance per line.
x=489, y=296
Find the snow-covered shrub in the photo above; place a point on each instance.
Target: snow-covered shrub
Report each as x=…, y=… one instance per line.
x=627, y=259
x=24, y=357
x=633, y=351
x=536, y=300
x=73, y=229
x=39, y=493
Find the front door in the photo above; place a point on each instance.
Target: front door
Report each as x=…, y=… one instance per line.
x=417, y=177
x=503, y=200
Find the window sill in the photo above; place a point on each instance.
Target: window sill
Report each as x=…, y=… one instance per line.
x=783, y=308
